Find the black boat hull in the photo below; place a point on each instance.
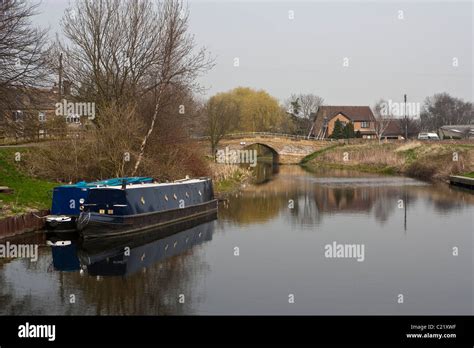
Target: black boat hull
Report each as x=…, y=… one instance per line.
x=61, y=227
x=95, y=225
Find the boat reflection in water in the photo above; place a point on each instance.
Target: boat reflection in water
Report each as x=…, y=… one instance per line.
x=127, y=255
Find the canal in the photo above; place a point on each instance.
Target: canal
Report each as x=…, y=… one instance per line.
x=299, y=242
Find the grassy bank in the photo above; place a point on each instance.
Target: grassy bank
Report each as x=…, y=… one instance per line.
x=29, y=193
x=422, y=160
x=229, y=178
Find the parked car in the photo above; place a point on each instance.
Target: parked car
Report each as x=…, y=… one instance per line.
x=428, y=136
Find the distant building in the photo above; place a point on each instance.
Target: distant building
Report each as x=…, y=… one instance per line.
x=34, y=103
x=361, y=117
x=394, y=130
x=457, y=132
x=43, y=104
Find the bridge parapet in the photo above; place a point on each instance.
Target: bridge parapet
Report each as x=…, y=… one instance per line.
x=264, y=135
x=289, y=150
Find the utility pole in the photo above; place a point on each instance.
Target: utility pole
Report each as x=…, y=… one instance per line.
x=406, y=118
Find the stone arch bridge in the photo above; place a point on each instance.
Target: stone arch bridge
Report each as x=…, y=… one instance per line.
x=286, y=149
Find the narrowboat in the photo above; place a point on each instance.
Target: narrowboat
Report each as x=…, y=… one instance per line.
x=67, y=199
x=126, y=209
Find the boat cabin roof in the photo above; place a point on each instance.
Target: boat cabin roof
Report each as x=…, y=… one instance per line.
x=110, y=182
x=134, y=186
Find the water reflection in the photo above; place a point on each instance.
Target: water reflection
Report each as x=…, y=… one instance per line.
x=131, y=275
x=264, y=171
x=409, y=230
x=129, y=254
x=308, y=200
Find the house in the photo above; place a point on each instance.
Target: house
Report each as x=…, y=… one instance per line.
x=34, y=103
x=42, y=104
x=360, y=116
x=394, y=130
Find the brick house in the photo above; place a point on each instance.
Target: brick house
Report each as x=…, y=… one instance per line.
x=361, y=117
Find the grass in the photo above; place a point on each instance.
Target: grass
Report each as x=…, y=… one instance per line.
x=29, y=193
x=469, y=175
x=228, y=178
x=315, y=154
x=416, y=159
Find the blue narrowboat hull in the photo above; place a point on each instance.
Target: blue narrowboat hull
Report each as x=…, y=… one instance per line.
x=94, y=225
x=123, y=211
x=66, y=202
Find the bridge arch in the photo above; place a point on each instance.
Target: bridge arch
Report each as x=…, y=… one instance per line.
x=265, y=147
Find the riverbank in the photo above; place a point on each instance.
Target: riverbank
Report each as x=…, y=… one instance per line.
x=32, y=195
x=416, y=159
x=29, y=194
x=229, y=178
x=27, y=199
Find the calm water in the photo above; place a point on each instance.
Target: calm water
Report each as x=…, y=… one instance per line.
x=281, y=228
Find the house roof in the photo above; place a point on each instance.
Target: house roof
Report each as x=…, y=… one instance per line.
x=393, y=128
x=354, y=113
x=34, y=99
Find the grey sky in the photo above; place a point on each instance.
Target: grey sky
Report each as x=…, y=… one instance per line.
x=387, y=56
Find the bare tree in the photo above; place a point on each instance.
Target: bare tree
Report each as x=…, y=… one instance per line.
x=123, y=51
x=22, y=50
x=222, y=115
x=178, y=64
x=383, y=117
x=304, y=106
x=444, y=110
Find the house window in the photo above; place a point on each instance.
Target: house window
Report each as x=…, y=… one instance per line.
x=17, y=115
x=41, y=116
x=364, y=124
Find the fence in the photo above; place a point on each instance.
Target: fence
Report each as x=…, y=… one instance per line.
x=41, y=135
x=262, y=135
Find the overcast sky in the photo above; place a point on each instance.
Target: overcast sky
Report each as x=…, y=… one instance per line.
x=391, y=47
